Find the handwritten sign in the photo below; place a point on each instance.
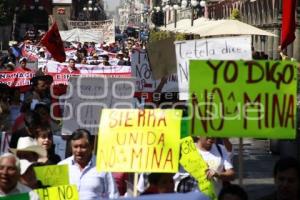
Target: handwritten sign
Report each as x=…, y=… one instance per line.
x=52, y=175
x=139, y=140
x=196, y=166
x=22, y=196
x=247, y=98
x=62, y=192
x=144, y=79
x=225, y=48
x=87, y=96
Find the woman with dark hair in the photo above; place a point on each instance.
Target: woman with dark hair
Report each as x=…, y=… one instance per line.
x=44, y=138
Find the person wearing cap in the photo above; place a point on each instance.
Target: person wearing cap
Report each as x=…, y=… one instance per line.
x=28, y=149
x=10, y=177
x=42, y=53
x=28, y=177
x=71, y=68
x=23, y=65
x=120, y=56
x=95, y=60
x=10, y=66
x=105, y=59
x=91, y=184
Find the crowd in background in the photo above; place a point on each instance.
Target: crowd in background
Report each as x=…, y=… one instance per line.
x=26, y=120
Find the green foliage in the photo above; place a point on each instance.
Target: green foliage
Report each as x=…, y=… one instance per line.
x=180, y=36
x=160, y=35
x=235, y=14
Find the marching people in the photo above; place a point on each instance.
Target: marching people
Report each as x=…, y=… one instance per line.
x=71, y=68
x=44, y=138
x=28, y=149
x=23, y=65
x=286, y=175
x=91, y=184
x=10, y=177
x=160, y=183
x=220, y=168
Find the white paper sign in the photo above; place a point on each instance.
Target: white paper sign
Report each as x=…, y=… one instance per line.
x=225, y=48
x=142, y=72
x=62, y=1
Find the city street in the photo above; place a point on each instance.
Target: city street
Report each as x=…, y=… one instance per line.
x=258, y=166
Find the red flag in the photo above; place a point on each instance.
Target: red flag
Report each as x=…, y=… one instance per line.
x=52, y=41
x=288, y=25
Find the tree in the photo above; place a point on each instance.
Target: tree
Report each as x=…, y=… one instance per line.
x=235, y=14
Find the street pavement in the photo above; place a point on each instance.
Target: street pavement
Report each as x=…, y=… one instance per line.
x=257, y=167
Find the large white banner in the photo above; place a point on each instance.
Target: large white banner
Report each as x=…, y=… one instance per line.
x=62, y=1
x=225, y=48
x=104, y=29
x=56, y=67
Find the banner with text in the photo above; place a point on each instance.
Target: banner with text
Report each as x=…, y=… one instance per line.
x=107, y=27
x=65, y=192
x=225, y=48
x=87, y=96
x=192, y=161
x=144, y=80
x=132, y=140
x=243, y=98
x=16, y=78
x=52, y=175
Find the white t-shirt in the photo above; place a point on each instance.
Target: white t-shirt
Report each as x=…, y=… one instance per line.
x=217, y=162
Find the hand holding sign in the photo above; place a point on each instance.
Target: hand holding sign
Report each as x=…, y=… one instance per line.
x=193, y=163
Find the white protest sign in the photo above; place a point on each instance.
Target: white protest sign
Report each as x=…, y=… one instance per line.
x=105, y=29
x=62, y=1
x=225, y=48
x=56, y=67
x=143, y=74
x=87, y=96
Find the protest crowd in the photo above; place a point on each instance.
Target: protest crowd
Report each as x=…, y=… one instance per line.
x=43, y=148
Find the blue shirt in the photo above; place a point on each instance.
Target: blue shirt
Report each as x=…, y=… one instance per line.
x=91, y=184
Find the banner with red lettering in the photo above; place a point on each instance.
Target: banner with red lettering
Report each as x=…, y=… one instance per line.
x=30, y=52
x=16, y=79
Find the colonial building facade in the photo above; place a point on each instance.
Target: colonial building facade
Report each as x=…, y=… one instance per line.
x=264, y=14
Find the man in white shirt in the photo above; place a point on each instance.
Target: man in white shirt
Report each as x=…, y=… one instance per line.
x=91, y=184
x=9, y=177
x=220, y=168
